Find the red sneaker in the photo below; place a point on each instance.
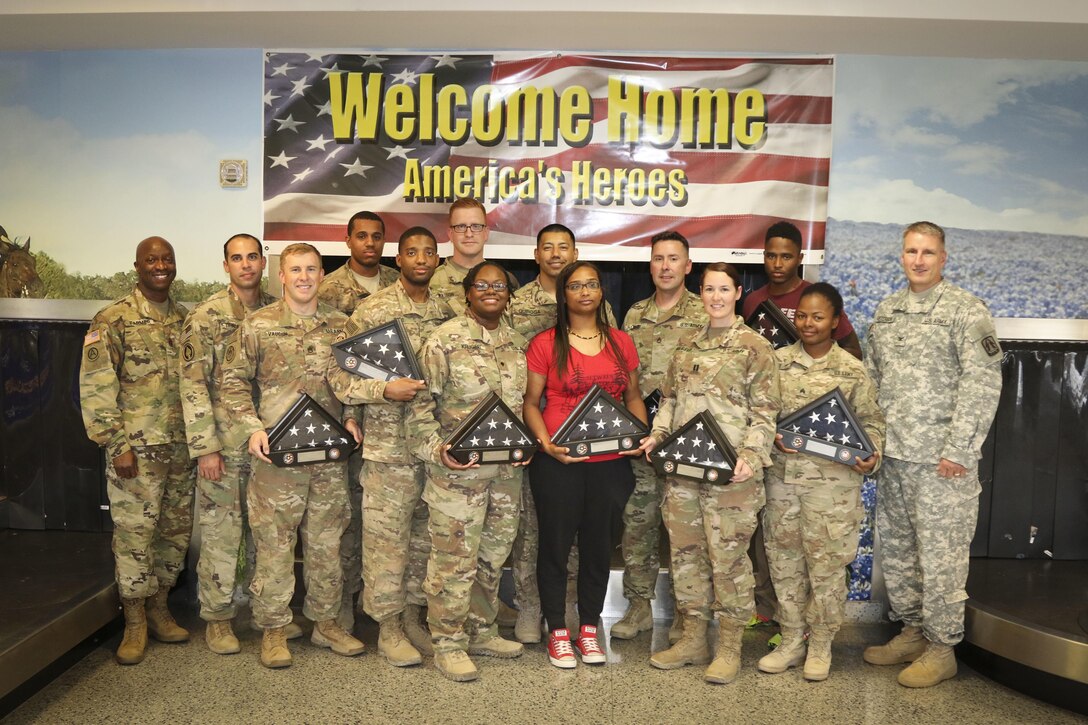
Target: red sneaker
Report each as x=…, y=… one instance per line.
x=588, y=646
x=560, y=651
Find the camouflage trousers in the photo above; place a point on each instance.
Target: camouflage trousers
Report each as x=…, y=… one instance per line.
x=926, y=524
x=395, y=540
x=472, y=527
x=812, y=536
x=152, y=518
x=641, y=540
x=224, y=529
x=524, y=553
x=709, y=531
x=766, y=600
x=351, y=543
x=284, y=502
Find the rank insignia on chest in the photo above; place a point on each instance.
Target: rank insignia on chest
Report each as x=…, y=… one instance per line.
x=491, y=434
x=380, y=353
x=653, y=402
x=827, y=427
x=308, y=434
x=771, y=322
x=599, y=424
x=697, y=450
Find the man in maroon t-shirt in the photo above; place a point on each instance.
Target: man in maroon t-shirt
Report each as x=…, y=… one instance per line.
x=782, y=259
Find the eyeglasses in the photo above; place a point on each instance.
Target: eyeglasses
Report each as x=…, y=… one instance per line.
x=485, y=286
x=579, y=286
x=462, y=228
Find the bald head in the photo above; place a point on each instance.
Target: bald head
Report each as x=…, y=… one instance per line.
x=155, y=268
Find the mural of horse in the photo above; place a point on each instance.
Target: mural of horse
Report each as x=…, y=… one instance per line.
x=18, y=269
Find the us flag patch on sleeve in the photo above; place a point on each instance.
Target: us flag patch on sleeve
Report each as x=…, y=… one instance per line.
x=91, y=338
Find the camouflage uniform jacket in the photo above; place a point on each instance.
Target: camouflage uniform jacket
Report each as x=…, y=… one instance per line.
x=462, y=364
x=446, y=285
x=735, y=378
x=804, y=380
x=204, y=339
x=384, y=434
x=658, y=336
x=128, y=379
x=533, y=310
x=937, y=364
x=274, y=355
x=341, y=290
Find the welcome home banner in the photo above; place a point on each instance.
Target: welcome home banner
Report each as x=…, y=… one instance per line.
x=617, y=148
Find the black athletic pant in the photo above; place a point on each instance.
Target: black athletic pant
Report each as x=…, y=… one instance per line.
x=583, y=499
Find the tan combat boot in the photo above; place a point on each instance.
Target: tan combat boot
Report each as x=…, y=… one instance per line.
x=495, y=646
x=639, y=617
x=906, y=646
x=818, y=662
x=726, y=664
x=160, y=623
x=937, y=664
x=220, y=638
x=786, y=655
x=506, y=616
x=293, y=630
x=456, y=666
x=134, y=642
x=394, y=646
x=415, y=630
x=690, y=650
x=274, y=652
x=330, y=634
x=527, y=628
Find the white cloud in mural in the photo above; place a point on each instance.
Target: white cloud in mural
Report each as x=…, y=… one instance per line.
x=87, y=202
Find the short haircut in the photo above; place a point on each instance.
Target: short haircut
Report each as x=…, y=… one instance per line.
x=467, y=202
x=785, y=230
x=670, y=235
x=368, y=216
x=232, y=237
x=828, y=292
x=300, y=248
x=721, y=267
x=415, y=232
x=926, y=229
x=556, y=229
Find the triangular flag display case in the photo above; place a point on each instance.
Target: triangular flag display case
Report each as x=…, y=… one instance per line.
x=308, y=434
x=491, y=434
x=827, y=427
x=697, y=450
x=769, y=320
x=380, y=353
x=652, y=402
x=599, y=424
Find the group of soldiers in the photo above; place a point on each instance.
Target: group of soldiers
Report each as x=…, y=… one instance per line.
x=162, y=386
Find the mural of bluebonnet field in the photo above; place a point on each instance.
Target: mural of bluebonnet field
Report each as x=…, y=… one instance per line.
x=1017, y=274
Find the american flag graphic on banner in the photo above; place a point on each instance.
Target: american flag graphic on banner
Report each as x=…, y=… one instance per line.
x=306, y=433
x=491, y=434
x=770, y=321
x=380, y=353
x=827, y=427
x=697, y=450
x=617, y=148
x=599, y=424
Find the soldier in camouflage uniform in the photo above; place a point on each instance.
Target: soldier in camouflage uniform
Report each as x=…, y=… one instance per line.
x=468, y=234
x=276, y=353
x=658, y=325
x=361, y=276
x=728, y=370
x=933, y=352
x=813, y=514
x=128, y=384
x=473, y=508
x=531, y=312
x=395, y=539
x=222, y=471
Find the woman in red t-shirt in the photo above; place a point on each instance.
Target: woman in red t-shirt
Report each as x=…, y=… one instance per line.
x=587, y=499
